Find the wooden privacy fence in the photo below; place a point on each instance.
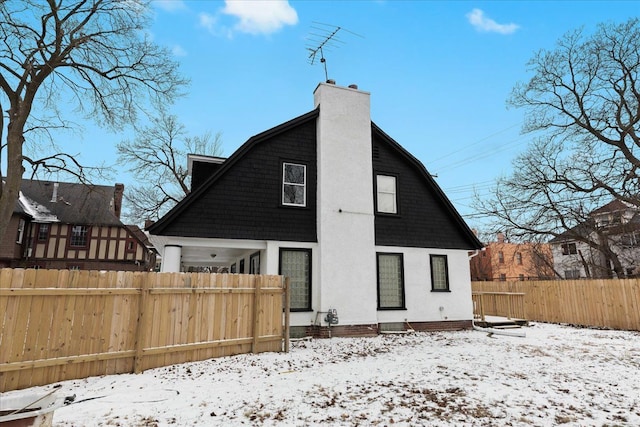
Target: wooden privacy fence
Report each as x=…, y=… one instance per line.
x=611, y=303
x=62, y=324
x=504, y=304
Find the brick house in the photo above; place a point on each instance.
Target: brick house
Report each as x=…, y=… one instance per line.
x=503, y=260
x=59, y=225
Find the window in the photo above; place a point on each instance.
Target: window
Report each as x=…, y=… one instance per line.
x=439, y=273
x=572, y=274
x=518, y=258
x=569, y=249
x=390, y=282
x=43, y=232
x=78, y=236
x=386, y=197
x=501, y=257
x=254, y=263
x=234, y=268
x=503, y=277
x=241, y=266
x=521, y=277
x=20, y=235
x=630, y=240
x=294, y=184
x=130, y=245
x=296, y=265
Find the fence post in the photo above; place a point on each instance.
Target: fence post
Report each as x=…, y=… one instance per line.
x=287, y=312
x=256, y=313
x=141, y=325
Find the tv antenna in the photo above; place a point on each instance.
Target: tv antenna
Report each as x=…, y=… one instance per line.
x=324, y=38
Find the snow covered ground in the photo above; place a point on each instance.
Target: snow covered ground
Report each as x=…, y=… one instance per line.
x=556, y=375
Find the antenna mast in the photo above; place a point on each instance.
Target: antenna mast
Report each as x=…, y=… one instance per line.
x=323, y=37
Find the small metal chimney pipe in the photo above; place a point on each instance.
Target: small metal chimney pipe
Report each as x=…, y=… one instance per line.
x=353, y=86
x=54, y=196
x=331, y=82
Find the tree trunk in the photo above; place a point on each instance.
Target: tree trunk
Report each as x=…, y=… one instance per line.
x=11, y=188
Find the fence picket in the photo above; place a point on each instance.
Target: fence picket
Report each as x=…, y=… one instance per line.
x=60, y=325
x=607, y=303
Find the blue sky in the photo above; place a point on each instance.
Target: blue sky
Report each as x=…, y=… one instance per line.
x=439, y=72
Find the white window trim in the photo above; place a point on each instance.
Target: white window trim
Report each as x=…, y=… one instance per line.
x=380, y=192
x=303, y=185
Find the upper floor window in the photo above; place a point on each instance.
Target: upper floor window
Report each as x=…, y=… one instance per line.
x=294, y=184
x=572, y=274
x=131, y=245
x=500, y=257
x=518, y=258
x=386, y=194
x=79, y=235
x=43, y=232
x=569, y=249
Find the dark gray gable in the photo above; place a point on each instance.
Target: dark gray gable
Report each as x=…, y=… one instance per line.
x=426, y=218
x=242, y=199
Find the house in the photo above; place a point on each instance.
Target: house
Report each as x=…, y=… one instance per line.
x=503, y=260
x=59, y=225
x=605, y=245
x=366, y=236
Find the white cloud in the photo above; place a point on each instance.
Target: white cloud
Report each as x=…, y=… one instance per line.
x=207, y=21
x=170, y=5
x=481, y=22
x=261, y=17
x=178, y=50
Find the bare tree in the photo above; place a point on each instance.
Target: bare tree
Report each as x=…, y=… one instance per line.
x=583, y=104
x=157, y=159
x=92, y=55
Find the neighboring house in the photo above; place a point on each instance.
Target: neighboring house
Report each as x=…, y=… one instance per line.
x=502, y=260
x=331, y=201
x=614, y=230
x=59, y=225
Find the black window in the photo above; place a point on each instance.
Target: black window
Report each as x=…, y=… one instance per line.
x=43, y=232
x=296, y=265
x=439, y=273
x=254, y=263
x=569, y=249
x=390, y=281
x=79, y=235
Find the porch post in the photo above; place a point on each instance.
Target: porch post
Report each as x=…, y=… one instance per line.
x=171, y=259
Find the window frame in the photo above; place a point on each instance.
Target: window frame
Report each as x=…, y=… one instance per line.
x=567, y=248
x=285, y=183
x=309, y=283
x=403, y=304
x=395, y=194
x=46, y=227
x=254, y=267
x=87, y=232
x=433, y=257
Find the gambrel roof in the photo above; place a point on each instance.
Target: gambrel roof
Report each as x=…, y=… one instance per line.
x=220, y=215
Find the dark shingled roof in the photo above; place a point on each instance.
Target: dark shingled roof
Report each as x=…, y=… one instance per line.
x=74, y=204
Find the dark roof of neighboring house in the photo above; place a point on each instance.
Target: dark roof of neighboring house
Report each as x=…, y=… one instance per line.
x=73, y=203
x=141, y=236
x=613, y=206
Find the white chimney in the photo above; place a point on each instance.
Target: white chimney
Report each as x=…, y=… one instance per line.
x=54, y=196
x=345, y=203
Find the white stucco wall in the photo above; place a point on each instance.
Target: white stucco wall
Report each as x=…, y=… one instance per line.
x=346, y=234
x=423, y=305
